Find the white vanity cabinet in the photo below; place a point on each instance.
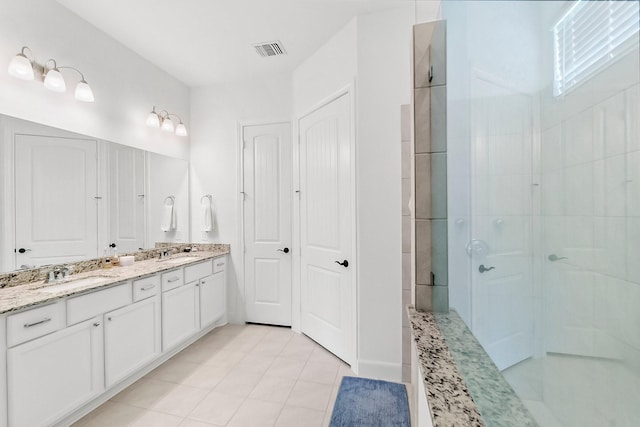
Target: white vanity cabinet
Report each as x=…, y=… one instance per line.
x=131, y=339
x=132, y=334
x=213, y=295
x=51, y=376
x=180, y=315
x=63, y=358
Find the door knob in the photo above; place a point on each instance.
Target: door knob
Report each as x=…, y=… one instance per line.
x=483, y=269
x=285, y=250
x=23, y=250
x=554, y=257
x=344, y=263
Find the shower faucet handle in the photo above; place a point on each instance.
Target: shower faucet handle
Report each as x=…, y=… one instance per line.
x=483, y=269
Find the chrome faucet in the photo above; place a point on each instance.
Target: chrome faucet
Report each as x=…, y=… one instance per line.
x=166, y=253
x=54, y=275
x=66, y=271
x=59, y=273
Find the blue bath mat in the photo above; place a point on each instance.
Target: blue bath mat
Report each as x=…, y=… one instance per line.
x=364, y=402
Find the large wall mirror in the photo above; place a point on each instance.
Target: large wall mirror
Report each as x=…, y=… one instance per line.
x=67, y=197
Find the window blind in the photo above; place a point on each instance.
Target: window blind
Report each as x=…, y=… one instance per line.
x=590, y=36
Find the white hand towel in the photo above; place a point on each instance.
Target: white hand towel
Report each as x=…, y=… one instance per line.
x=168, y=218
x=207, y=216
x=174, y=217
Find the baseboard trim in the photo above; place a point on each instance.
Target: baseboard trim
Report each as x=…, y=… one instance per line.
x=380, y=370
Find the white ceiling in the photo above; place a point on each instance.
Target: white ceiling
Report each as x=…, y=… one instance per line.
x=202, y=42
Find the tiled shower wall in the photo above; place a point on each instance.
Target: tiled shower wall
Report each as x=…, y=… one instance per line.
x=590, y=198
x=429, y=214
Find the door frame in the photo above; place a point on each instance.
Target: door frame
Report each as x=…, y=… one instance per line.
x=349, y=91
x=240, y=297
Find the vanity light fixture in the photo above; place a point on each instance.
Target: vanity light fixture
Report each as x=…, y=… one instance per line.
x=21, y=67
x=24, y=68
x=163, y=120
x=53, y=79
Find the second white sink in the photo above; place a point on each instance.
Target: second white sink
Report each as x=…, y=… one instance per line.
x=176, y=259
x=74, y=284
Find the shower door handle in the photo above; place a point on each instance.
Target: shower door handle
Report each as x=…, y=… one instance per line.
x=483, y=269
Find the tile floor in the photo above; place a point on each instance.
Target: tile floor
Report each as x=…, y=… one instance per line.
x=564, y=390
x=237, y=375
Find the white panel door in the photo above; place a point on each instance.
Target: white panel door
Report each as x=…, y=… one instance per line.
x=267, y=223
x=126, y=198
x=55, y=190
x=326, y=227
x=502, y=286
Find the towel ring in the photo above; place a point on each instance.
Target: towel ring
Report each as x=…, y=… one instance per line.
x=171, y=199
x=207, y=196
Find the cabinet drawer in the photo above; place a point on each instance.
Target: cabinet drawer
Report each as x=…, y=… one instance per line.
x=97, y=303
x=25, y=326
x=172, y=279
x=219, y=264
x=145, y=288
x=197, y=271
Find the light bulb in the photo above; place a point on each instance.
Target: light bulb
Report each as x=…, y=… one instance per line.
x=167, y=124
x=21, y=68
x=83, y=92
x=153, y=120
x=181, y=129
x=54, y=81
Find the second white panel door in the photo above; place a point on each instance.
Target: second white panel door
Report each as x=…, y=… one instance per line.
x=326, y=230
x=267, y=223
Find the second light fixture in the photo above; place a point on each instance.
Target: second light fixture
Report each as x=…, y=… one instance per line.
x=163, y=120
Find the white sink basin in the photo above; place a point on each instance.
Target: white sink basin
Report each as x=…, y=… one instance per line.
x=176, y=260
x=74, y=284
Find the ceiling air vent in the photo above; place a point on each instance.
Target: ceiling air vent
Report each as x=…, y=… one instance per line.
x=274, y=48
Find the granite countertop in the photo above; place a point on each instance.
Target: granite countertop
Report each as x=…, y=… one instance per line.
x=16, y=298
x=464, y=387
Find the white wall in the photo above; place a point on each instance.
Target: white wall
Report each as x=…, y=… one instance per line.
x=383, y=84
x=217, y=111
x=125, y=85
x=328, y=70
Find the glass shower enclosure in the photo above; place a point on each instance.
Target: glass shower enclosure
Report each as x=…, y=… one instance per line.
x=544, y=190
